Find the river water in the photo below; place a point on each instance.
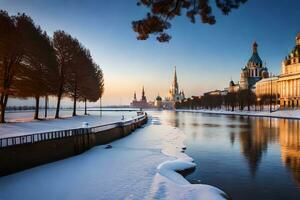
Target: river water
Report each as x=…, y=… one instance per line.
x=246, y=157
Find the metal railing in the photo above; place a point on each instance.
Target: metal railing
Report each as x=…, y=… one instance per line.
x=37, y=137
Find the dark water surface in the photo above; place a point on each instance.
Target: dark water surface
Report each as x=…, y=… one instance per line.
x=249, y=158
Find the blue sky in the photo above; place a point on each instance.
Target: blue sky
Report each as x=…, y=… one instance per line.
x=206, y=56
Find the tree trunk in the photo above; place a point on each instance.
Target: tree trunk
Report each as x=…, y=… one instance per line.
x=7, y=78
x=57, y=106
x=3, y=103
x=85, y=111
x=37, y=107
x=74, y=106
x=75, y=98
x=60, y=91
x=2, y=108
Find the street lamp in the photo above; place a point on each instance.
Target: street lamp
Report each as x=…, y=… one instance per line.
x=271, y=94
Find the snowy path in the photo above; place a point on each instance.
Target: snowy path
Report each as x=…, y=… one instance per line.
x=139, y=166
x=24, y=128
x=288, y=114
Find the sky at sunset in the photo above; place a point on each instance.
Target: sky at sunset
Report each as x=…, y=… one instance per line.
x=207, y=57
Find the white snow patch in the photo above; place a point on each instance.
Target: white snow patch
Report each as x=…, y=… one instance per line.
x=169, y=170
x=13, y=129
x=164, y=188
x=142, y=165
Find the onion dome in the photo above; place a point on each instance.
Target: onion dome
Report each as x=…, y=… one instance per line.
x=255, y=60
x=158, y=98
x=296, y=51
x=231, y=83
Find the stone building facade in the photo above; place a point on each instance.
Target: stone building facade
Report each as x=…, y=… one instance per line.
x=142, y=103
x=287, y=85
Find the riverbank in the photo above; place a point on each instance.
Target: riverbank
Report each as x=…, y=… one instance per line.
x=283, y=114
x=142, y=165
x=26, y=127
x=30, y=150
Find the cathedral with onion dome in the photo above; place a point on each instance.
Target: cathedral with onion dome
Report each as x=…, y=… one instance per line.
x=253, y=72
x=284, y=88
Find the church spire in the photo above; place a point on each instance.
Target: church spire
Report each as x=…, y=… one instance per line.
x=143, y=94
x=254, y=47
x=134, y=96
x=175, y=83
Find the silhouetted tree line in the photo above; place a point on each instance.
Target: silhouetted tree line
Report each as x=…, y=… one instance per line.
x=190, y=103
x=161, y=12
x=34, y=65
x=241, y=100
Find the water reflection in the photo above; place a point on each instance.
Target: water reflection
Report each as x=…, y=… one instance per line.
x=290, y=147
x=247, y=157
x=255, y=138
x=232, y=138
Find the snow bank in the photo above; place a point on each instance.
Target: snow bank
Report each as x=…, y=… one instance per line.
x=164, y=188
x=12, y=129
x=142, y=165
x=170, y=184
x=169, y=169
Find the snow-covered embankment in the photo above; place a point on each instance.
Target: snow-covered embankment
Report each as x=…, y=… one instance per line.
x=142, y=165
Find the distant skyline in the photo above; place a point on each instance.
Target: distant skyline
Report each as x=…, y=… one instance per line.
x=206, y=57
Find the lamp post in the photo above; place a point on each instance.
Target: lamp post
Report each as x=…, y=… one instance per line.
x=100, y=107
x=271, y=95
